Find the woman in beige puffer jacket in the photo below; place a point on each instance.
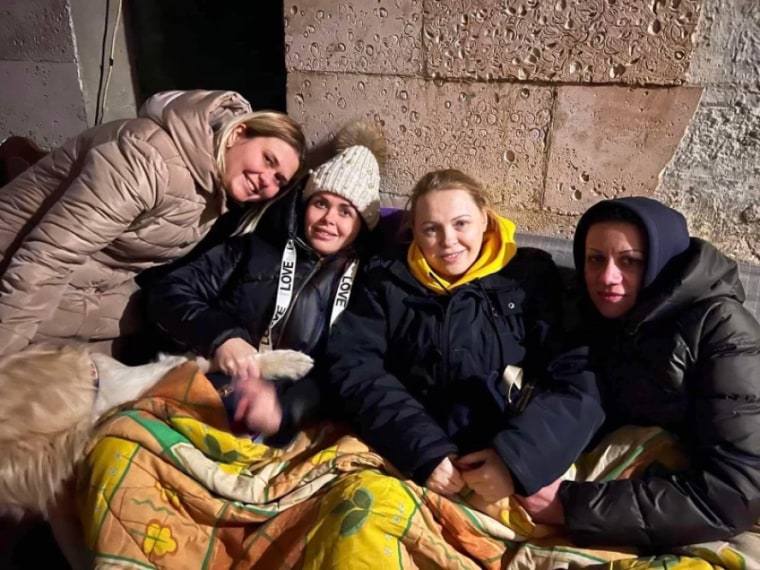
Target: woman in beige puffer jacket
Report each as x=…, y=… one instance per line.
x=77, y=227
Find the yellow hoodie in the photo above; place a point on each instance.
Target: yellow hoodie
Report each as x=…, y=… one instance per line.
x=498, y=248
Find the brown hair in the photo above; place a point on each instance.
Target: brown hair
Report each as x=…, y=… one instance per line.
x=262, y=124
x=447, y=179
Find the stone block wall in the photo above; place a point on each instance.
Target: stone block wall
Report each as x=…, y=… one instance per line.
x=50, y=57
x=553, y=104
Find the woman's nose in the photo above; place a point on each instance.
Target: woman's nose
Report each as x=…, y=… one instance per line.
x=611, y=275
x=449, y=236
x=268, y=179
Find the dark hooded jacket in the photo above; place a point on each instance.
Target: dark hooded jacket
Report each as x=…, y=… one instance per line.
x=230, y=292
x=687, y=358
x=420, y=374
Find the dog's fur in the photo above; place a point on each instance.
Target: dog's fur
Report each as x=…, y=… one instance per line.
x=49, y=404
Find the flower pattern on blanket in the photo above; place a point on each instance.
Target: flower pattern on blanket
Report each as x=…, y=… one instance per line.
x=165, y=471
x=158, y=539
x=168, y=494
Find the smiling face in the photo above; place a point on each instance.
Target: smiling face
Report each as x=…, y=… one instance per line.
x=331, y=223
x=256, y=168
x=449, y=228
x=614, y=266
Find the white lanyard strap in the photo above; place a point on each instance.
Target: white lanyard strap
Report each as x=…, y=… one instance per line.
x=344, y=291
x=284, y=292
x=285, y=286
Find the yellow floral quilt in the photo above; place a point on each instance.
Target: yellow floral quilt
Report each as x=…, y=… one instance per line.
x=165, y=485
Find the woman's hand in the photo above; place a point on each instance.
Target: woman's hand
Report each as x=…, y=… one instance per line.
x=258, y=407
x=235, y=357
x=485, y=473
x=544, y=506
x=445, y=479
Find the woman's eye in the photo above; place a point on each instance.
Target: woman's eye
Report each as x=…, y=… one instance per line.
x=268, y=160
x=594, y=259
x=632, y=261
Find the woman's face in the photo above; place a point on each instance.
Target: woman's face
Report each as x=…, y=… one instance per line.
x=331, y=223
x=257, y=167
x=449, y=228
x=614, y=267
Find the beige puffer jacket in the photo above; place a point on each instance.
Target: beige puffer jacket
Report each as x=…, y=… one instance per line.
x=78, y=226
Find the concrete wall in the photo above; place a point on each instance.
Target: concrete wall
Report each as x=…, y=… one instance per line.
x=94, y=24
x=40, y=96
x=48, y=87
x=554, y=104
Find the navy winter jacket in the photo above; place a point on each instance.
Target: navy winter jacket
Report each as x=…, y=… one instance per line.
x=420, y=374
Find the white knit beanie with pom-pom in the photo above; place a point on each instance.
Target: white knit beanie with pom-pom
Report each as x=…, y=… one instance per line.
x=354, y=172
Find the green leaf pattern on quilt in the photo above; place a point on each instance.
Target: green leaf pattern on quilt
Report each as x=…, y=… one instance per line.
x=355, y=512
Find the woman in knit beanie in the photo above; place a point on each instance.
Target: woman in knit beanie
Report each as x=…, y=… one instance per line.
x=282, y=287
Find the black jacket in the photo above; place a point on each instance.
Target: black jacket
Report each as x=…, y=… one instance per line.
x=420, y=374
x=230, y=292
x=686, y=358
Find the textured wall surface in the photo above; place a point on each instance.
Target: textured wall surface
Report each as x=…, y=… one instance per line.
x=50, y=54
x=439, y=125
x=612, y=141
x=553, y=104
x=92, y=21
x=354, y=37
x=35, y=31
x=714, y=177
x=40, y=96
x=563, y=40
x=42, y=101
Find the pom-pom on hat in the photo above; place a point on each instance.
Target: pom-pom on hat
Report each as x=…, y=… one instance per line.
x=354, y=172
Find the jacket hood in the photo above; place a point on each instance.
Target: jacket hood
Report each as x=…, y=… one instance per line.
x=192, y=119
x=497, y=250
x=680, y=270
x=700, y=273
x=665, y=229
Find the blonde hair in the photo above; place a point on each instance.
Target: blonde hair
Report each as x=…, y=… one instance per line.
x=447, y=179
x=261, y=124
x=45, y=421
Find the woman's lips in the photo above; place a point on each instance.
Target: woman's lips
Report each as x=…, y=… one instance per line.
x=610, y=297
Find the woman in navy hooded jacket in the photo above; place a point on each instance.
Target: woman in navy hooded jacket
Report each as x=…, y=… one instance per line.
x=427, y=358
x=673, y=346
x=282, y=287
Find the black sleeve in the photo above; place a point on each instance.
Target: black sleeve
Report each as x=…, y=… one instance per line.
x=541, y=443
x=719, y=495
x=386, y=416
x=302, y=402
x=183, y=303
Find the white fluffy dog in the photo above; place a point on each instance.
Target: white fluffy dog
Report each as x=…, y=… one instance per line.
x=50, y=398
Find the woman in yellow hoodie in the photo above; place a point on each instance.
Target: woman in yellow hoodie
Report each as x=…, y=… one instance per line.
x=450, y=361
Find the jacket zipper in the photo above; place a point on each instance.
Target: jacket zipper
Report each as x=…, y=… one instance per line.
x=285, y=318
